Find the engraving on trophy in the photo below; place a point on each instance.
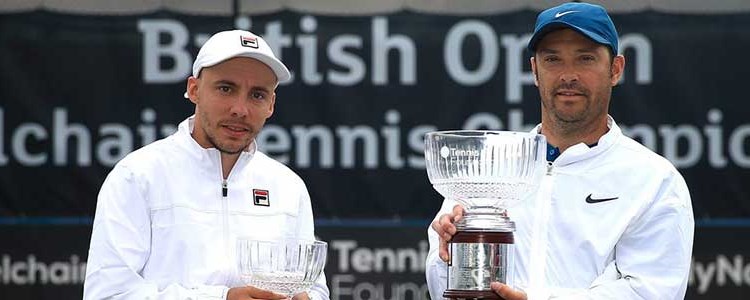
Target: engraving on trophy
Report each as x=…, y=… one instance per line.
x=478, y=275
x=486, y=172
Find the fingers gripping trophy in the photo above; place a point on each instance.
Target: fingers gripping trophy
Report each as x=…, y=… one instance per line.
x=486, y=172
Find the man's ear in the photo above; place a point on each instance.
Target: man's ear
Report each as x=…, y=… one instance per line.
x=533, y=71
x=618, y=66
x=192, y=89
x=272, y=106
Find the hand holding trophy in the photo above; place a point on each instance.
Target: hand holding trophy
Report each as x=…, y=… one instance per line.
x=486, y=172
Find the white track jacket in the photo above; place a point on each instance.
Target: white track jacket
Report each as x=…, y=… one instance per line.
x=166, y=222
x=613, y=221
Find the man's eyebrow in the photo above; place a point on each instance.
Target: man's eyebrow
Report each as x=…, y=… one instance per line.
x=225, y=82
x=260, y=88
x=547, y=51
x=234, y=84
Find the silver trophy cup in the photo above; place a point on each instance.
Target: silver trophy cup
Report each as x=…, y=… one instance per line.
x=486, y=172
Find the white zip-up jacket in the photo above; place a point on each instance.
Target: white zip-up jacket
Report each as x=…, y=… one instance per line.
x=613, y=221
x=166, y=221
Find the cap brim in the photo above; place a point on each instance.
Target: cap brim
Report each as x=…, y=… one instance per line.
x=551, y=26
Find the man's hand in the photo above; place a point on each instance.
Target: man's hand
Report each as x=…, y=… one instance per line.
x=446, y=228
x=301, y=296
x=253, y=293
x=506, y=292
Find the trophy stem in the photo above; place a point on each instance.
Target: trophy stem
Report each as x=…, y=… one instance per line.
x=485, y=219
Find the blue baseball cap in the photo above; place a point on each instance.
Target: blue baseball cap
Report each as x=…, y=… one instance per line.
x=590, y=20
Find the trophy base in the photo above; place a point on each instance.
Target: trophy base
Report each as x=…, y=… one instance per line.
x=463, y=294
x=478, y=258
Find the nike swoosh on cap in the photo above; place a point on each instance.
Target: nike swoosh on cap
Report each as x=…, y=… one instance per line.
x=591, y=200
x=560, y=14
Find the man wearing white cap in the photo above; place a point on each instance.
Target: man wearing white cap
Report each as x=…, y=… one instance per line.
x=168, y=214
x=612, y=219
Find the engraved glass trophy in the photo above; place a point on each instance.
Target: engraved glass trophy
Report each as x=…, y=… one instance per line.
x=287, y=267
x=486, y=172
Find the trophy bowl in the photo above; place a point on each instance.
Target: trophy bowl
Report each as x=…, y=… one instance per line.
x=287, y=266
x=486, y=172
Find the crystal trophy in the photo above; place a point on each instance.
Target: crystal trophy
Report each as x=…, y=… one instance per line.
x=287, y=266
x=486, y=172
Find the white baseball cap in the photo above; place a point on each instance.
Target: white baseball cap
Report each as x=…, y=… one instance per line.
x=238, y=43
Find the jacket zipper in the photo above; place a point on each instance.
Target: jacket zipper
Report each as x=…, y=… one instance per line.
x=225, y=216
x=539, y=242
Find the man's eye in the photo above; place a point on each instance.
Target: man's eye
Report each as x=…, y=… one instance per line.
x=225, y=89
x=551, y=59
x=258, y=95
x=588, y=58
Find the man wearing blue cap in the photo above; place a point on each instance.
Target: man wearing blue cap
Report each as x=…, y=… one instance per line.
x=612, y=220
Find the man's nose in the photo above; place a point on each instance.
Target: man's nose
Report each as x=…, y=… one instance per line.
x=239, y=107
x=569, y=75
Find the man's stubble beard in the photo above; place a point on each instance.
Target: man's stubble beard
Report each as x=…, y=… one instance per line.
x=223, y=149
x=580, y=120
x=206, y=125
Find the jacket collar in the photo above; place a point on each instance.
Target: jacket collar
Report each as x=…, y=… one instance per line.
x=582, y=151
x=209, y=156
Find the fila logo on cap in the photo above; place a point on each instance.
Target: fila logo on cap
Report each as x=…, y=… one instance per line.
x=260, y=198
x=249, y=41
